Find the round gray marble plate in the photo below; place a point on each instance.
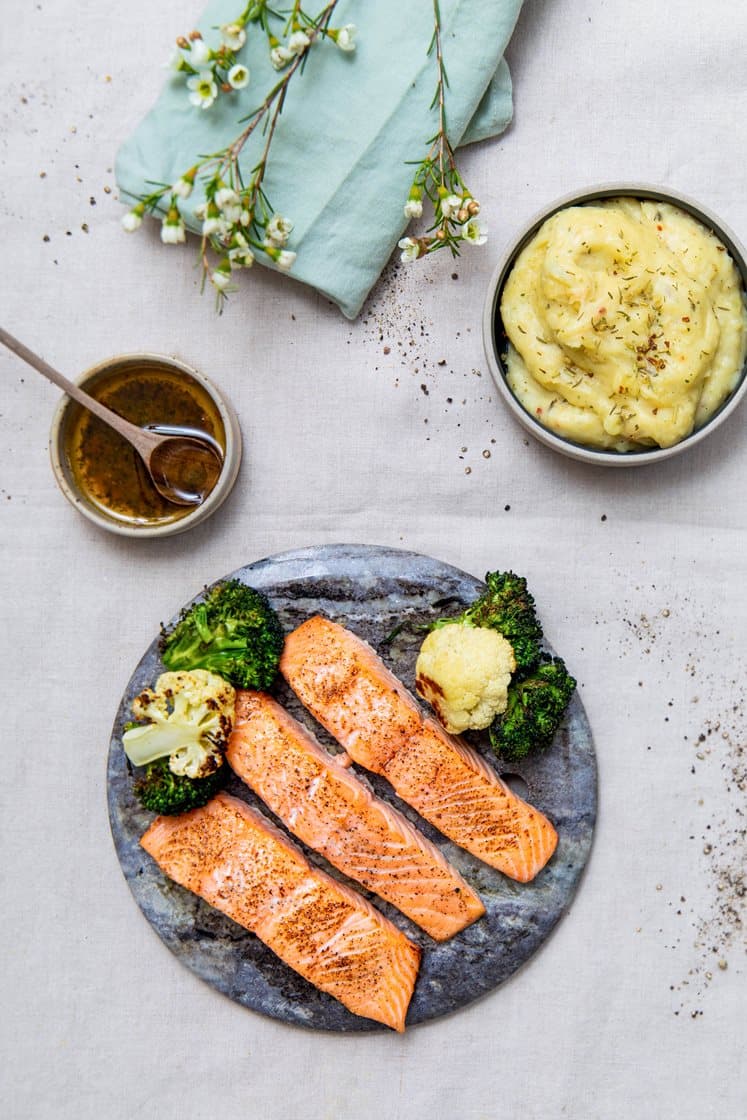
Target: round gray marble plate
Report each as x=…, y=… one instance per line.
x=371, y=590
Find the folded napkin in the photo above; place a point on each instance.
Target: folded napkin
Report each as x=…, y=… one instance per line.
x=340, y=165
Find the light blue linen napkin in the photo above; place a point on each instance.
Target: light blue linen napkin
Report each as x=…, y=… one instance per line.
x=341, y=161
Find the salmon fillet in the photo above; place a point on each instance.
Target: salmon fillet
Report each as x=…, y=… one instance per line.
x=347, y=687
x=331, y=810
x=231, y=856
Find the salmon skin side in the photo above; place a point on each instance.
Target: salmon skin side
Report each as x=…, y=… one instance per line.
x=346, y=686
x=330, y=809
x=235, y=859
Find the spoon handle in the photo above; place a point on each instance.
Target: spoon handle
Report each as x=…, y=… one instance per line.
x=142, y=440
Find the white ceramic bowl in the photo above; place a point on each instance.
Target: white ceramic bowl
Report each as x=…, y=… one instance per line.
x=495, y=342
x=66, y=479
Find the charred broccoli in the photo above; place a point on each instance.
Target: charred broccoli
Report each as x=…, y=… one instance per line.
x=233, y=632
x=162, y=791
x=536, y=706
x=506, y=606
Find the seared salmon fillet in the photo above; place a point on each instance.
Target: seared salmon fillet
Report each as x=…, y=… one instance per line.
x=346, y=686
x=236, y=860
x=331, y=810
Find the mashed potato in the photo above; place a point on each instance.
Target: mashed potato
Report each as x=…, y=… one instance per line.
x=464, y=672
x=627, y=324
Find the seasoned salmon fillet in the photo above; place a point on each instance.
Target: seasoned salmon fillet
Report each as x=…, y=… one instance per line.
x=235, y=859
x=330, y=809
x=346, y=686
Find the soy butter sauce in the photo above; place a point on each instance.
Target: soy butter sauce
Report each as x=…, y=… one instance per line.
x=108, y=470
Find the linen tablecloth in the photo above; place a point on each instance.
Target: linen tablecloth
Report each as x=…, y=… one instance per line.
x=386, y=430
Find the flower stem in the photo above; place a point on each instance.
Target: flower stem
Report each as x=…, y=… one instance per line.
x=437, y=176
x=276, y=98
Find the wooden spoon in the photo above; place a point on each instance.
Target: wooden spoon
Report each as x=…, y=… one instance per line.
x=183, y=464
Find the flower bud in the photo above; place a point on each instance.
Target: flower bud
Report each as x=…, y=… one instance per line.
x=462, y=214
x=172, y=227
x=344, y=37
x=298, y=42
x=133, y=219
x=441, y=234
x=473, y=207
x=451, y=204
x=195, y=35
x=221, y=276
x=182, y=43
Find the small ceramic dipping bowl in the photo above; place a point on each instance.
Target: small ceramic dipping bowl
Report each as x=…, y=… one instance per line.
x=103, y=477
x=496, y=342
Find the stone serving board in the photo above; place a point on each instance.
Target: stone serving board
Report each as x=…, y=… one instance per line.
x=371, y=590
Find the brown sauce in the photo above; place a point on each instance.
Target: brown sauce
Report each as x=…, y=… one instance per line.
x=107, y=469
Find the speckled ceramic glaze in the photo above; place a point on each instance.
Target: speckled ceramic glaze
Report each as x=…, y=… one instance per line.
x=371, y=591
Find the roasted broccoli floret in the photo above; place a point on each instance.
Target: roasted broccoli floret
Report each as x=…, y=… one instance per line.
x=164, y=792
x=186, y=718
x=506, y=606
x=233, y=631
x=536, y=706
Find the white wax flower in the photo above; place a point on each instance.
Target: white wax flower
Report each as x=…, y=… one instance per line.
x=233, y=36
x=221, y=278
x=204, y=90
x=229, y=204
x=346, y=37
x=280, y=57
x=182, y=188
x=410, y=249
x=450, y=205
x=199, y=53
x=244, y=258
x=172, y=232
x=132, y=220
x=215, y=227
x=278, y=230
x=298, y=42
x=225, y=196
x=413, y=208
x=285, y=260
x=238, y=76
x=474, y=232
x=175, y=62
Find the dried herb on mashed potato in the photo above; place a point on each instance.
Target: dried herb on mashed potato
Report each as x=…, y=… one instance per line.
x=627, y=324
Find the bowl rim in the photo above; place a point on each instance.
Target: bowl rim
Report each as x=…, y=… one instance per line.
x=217, y=496
x=491, y=313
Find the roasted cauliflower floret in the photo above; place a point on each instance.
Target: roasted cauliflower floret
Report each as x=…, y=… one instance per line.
x=187, y=717
x=464, y=671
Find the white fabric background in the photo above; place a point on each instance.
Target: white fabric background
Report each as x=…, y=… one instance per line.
x=617, y=1015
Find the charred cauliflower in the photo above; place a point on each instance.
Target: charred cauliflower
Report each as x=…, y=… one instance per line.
x=187, y=718
x=464, y=671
